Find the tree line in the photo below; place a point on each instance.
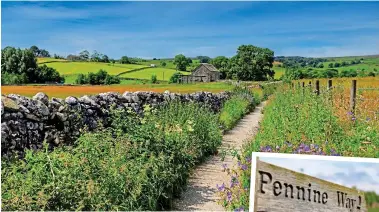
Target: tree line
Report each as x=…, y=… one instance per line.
x=19, y=66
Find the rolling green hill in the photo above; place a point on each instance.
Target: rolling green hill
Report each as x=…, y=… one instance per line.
x=161, y=73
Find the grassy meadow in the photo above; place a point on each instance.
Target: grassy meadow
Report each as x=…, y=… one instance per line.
x=163, y=74
x=169, y=63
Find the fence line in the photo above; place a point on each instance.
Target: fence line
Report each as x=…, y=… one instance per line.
x=353, y=92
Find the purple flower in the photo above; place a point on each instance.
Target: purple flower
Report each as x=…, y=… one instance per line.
x=239, y=209
x=233, y=182
x=224, y=166
x=353, y=118
x=316, y=146
x=349, y=113
x=239, y=163
x=368, y=119
x=221, y=188
x=244, y=167
x=306, y=148
x=229, y=195
x=248, y=159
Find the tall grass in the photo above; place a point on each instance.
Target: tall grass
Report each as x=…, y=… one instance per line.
x=139, y=164
x=299, y=122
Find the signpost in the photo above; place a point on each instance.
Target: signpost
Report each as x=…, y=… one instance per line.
x=279, y=190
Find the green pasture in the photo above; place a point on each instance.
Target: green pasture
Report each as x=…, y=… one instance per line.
x=70, y=68
x=163, y=74
x=279, y=71
x=169, y=64
x=42, y=60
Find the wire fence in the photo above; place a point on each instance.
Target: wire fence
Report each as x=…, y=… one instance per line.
x=351, y=99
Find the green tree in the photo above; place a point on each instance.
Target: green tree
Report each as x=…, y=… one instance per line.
x=124, y=60
x=204, y=59
x=35, y=50
x=331, y=65
x=252, y=63
x=84, y=55
x=105, y=59
x=175, y=77
x=154, y=79
x=181, y=62
x=163, y=64
x=221, y=63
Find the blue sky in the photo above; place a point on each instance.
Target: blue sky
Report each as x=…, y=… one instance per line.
x=363, y=175
x=164, y=29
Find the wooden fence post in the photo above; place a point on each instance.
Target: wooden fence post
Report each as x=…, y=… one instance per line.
x=330, y=84
x=317, y=87
x=353, y=94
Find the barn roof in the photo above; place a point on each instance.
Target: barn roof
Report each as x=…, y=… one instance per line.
x=210, y=67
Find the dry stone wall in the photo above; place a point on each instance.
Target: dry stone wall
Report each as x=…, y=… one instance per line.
x=27, y=122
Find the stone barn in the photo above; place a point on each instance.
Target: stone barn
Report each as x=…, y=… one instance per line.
x=205, y=72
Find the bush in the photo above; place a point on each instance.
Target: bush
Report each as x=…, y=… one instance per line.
x=13, y=79
x=82, y=79
x=154, y=79
x=99, y=78
x=175, y=78
x=48, y=74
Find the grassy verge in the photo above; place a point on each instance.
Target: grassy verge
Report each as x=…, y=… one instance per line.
x=235, y=108
x=300, y=123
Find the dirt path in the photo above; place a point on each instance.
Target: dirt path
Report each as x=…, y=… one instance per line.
x=201, y=189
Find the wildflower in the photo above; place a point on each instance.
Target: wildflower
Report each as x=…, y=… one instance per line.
x=350, y=113
x=368, y=119
x=353, y=118
x=233, y=182
x=244, y=167
x=248, y=159
x=229, y=195
x=306, y=148
x=277, y=147
x=224, y=166
x=221, y=188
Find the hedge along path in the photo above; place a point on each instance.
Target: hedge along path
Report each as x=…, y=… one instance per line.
x=201, y=192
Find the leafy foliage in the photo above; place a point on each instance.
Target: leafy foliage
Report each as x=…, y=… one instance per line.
x=181, y=62
x=20, y=66
x=252, y=63
x=175, y=77
x=99, y=78
x=241, y=102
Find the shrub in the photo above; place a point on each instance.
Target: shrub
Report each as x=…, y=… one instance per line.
x=175, y=78
x=13, y=79
x=233, y=110
x=99, y=78
x=154, y=79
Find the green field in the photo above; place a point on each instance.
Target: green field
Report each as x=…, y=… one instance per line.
x=169, y=63
x=373, y=210
x=68, y=68
x=279, y=71
x=42, y=60
x=162, y=73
